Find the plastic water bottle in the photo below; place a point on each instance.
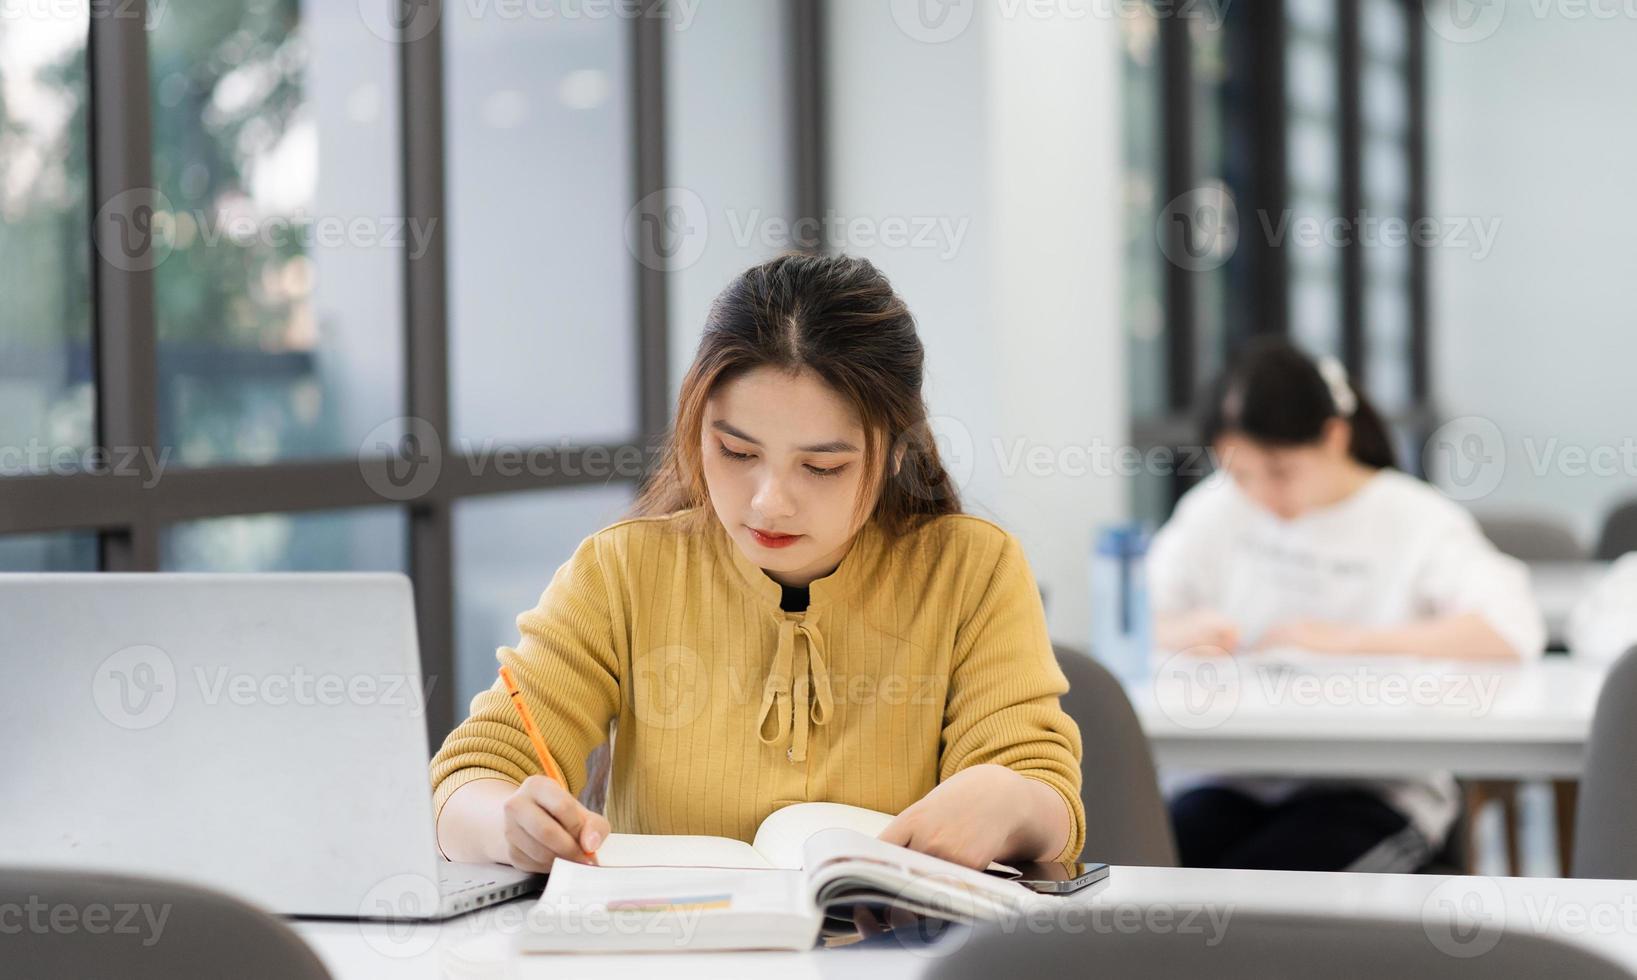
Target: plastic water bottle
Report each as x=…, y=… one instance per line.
x=1121, y=622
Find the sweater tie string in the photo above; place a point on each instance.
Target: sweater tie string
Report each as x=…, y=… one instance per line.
x=797, y=689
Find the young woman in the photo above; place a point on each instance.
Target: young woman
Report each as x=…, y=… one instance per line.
x=1315, y=541
x=799, y=612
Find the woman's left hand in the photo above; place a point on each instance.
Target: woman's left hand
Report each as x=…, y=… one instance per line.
x=980, y=814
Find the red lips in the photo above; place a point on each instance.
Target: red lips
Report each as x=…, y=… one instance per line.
x=767, y=540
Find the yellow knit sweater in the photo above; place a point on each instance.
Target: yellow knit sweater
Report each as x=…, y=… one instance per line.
x=915, y=659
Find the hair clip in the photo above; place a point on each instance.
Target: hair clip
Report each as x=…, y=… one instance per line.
x=1341, y=392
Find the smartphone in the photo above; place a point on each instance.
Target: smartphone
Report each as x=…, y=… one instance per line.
x=1059, y=877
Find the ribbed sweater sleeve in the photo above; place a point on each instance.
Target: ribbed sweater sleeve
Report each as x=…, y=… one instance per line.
x=1003, y=693
x=567, y=666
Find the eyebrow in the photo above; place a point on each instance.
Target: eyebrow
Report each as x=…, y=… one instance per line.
x=836, y=446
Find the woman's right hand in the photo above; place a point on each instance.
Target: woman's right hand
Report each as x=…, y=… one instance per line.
x=1198, y=631
x=543, y=822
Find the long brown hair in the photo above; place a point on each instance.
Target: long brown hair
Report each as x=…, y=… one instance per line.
x=838, y=317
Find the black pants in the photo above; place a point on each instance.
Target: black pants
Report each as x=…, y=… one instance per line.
x=1318, y=830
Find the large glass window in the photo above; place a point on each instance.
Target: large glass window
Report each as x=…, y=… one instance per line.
x=278, y=290
x=46, y=389
x=541, y=282
x=68, y=552
x=506, y=550
x=371, y=539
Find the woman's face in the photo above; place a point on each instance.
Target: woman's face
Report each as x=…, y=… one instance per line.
x=784, y=454
x=1289, y=481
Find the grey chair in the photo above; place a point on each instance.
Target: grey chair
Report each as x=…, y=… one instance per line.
x=1619, y=535
x=1126, y=819
x=1605, y=838
x=1256, y=946
x=1532, y=538
x=89, y=924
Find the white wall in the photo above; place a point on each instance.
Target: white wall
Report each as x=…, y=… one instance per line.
x=1536, y=124
x=1008, y=132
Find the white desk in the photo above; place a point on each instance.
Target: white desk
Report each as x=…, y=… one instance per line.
x=1601, y=915
x=1559, y=587
x=1369, y=716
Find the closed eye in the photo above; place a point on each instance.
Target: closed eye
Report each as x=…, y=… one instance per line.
x=730, y=454
x=821, y=471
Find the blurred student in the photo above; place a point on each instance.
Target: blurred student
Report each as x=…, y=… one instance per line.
x=1314, y=540
x=798, y=611
x=1603, y=625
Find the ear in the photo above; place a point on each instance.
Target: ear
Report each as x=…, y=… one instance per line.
x=898, y=459
x=1337, y=437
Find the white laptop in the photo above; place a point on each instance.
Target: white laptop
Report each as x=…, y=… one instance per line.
x=261, y=734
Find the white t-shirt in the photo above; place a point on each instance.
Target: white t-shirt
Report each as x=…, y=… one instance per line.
x=1603, y=625
x=1394, y=552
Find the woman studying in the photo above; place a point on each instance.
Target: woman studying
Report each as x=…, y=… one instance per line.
x=1316, y=541
x=798, y=612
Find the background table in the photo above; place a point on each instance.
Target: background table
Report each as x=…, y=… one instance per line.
x=1369, y=716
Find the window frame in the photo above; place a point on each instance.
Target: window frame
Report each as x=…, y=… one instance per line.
x=129, y=508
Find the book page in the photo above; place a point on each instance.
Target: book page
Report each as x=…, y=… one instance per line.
x=677, y=851
x=781, y=836
x=842, y=864
x=585, y=907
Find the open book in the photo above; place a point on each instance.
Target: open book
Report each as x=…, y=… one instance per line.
x=715, y=893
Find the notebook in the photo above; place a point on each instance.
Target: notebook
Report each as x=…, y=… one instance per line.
x=658, y=892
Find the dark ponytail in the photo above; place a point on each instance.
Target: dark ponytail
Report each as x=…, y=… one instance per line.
x=1275, y=395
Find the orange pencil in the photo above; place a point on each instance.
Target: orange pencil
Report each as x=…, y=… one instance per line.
x=550, y=767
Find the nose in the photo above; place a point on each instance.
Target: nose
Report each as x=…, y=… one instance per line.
x=773, y=500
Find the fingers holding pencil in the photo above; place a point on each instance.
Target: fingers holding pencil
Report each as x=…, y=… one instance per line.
x=543, y=811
